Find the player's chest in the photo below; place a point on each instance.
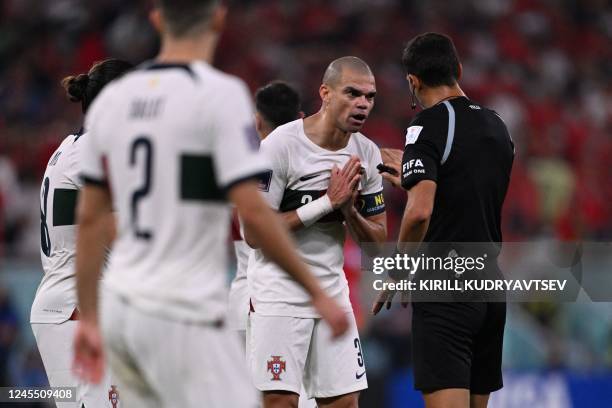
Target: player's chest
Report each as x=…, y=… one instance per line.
x=312, y=170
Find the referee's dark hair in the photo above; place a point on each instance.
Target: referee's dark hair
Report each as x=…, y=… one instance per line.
x=84, y=88
x=432, y=58
x=184, y=17
x=278, y=103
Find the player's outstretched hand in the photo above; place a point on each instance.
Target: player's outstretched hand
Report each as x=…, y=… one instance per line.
x=88, y=352
x=333, y=315
x=385, y=298
x=392, y=159
x=343, y=182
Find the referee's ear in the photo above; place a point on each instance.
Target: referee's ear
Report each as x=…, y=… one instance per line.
x=459, y=71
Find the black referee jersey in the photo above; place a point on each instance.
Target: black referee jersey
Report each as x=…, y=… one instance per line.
x=467, y=150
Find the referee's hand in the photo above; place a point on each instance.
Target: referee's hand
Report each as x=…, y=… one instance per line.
x=88, y=352
x=392, y=159
x=385, y=297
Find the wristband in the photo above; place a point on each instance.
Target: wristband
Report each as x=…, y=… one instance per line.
x=314, y=210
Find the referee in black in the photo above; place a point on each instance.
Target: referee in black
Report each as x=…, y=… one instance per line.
x=456, y=168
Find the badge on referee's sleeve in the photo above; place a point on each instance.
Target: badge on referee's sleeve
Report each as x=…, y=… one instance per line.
x=412, y=134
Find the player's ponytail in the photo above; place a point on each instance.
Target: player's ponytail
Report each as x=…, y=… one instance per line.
x=75, y=86
x=84, y=88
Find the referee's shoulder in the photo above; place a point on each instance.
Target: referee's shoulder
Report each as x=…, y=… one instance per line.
x=431, y=115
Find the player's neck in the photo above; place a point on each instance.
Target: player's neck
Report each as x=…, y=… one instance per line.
x=432, y=96
x=185, y=50
x=322, y=131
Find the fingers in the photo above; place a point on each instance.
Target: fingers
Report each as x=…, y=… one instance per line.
x=88, y=360
x=383, y=297
x=340, y=326
x=351, y=167
x=376, y=307
x=354, y=182
x=394, y=180
x=89, y=365
x=391, y=155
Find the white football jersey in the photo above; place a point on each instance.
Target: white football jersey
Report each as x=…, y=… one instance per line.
x=300, y=172
x=170, y=140
x=55, y=298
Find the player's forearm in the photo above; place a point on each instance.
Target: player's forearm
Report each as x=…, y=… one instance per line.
x=89, y=261
x=364, y=230
x=275, y=242
x=95, y=232
x=292, y=220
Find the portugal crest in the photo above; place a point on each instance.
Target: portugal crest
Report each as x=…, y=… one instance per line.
x=113, y=396
x=276, y=366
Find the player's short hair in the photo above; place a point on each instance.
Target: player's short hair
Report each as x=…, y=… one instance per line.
x=433, y=59
x=333, y=73
x=184, y=16
x=278, y=103
x=84, y=88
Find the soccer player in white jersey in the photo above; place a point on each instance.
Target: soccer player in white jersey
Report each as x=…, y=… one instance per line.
x=276, y=103
x=323, y=179
x=168, y=144
x=54, y=311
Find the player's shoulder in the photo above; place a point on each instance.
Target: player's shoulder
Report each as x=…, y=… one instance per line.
x=285, y=135
x=365, y=144
x=211, y=78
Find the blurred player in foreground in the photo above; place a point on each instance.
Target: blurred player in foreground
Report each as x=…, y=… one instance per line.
x=169, y=143
x=456, y=168
x=321, y=168
x=54, y=312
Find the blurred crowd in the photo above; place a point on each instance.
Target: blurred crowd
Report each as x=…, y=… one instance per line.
x=544, y=65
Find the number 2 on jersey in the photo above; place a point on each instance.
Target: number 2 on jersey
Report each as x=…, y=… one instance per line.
x=144, y=144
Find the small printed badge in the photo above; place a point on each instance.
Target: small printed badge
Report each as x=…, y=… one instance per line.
x=412, y=134
x=264, y=180
x=113, y=396
x=276, y=366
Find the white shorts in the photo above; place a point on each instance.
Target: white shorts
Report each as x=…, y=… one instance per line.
x=55, y=345
x=284, y=351
x=165, y=363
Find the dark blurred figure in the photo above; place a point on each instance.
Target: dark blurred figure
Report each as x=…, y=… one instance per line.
x=9, y=328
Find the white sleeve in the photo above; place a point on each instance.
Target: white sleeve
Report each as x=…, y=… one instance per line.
x=74, y=169
x=275, y=180
x=235, y=140
x=374, y=182
x=92, y=151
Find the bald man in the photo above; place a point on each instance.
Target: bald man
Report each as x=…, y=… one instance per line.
x=323, y=180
